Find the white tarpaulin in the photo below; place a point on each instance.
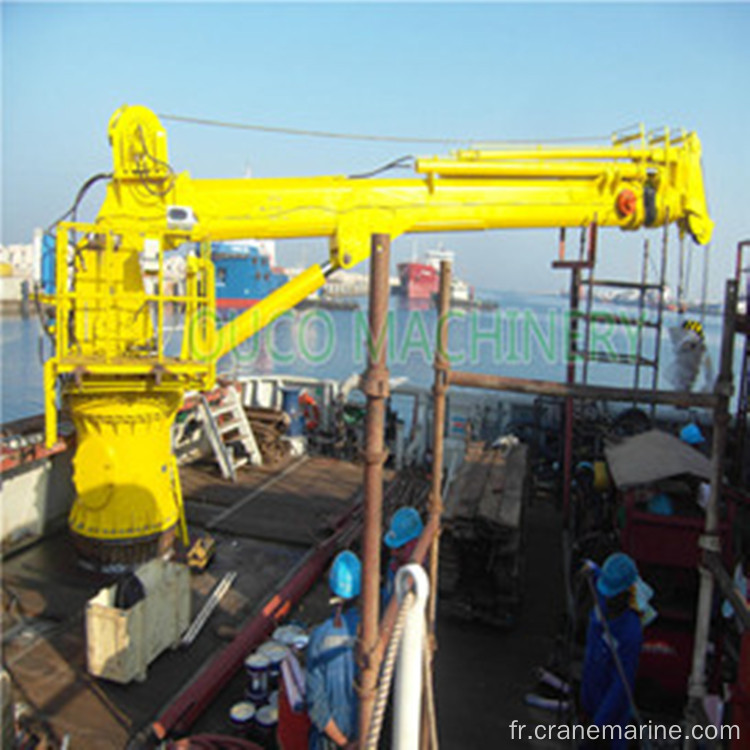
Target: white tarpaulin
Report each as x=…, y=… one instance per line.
x=652, y=456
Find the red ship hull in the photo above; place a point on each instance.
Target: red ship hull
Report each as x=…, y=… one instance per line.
x=225, y=303
x=418, y=281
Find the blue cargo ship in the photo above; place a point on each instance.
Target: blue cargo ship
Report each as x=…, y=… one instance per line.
x=244, y=275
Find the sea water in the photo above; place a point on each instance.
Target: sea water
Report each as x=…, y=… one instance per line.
x=526, y=336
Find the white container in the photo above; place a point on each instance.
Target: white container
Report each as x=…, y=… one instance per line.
x=121, y=643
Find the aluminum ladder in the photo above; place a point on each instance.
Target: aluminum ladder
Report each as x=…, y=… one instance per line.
x=228, y=429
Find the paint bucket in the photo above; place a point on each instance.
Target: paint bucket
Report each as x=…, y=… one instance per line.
x=293, y=636
x=290, y=405
x=257, y=666
x=275, y=653
x=241, y=715
x=266, y=720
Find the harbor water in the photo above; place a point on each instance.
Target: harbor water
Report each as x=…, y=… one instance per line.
x=526, y=336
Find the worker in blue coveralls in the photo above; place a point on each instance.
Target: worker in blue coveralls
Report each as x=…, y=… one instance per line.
x=605, y=698
x=331, y=665
x=401, y=539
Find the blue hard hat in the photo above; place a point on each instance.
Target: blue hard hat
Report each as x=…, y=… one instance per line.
x=618, y=574
x=691, y=434
x=345, y=577
x=406, y=525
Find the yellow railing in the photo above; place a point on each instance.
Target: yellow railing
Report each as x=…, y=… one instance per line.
x=105, y=313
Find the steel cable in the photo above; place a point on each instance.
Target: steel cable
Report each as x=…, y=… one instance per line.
x=370, y=137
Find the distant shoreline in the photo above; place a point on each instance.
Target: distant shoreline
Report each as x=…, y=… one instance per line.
x=15, y=307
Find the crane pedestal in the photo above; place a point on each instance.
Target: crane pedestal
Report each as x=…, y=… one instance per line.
x=128, y=502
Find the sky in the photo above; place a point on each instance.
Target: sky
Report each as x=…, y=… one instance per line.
x=465, y=71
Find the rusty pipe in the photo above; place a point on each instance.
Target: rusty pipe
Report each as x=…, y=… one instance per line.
x=391, y=611
x=570, y=377
x=577, y=390
x=375, y=387
x=710, y=540
x=439, y=390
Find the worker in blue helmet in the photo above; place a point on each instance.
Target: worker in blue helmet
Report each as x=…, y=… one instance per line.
x=331, y=664
x=614, y=635
x=401, y=538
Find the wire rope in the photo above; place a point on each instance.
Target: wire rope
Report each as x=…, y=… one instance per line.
x=308, y=133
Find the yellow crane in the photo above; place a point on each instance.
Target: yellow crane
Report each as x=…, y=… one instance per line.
x=123, y=390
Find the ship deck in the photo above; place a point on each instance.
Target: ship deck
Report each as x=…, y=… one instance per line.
x=263, y=526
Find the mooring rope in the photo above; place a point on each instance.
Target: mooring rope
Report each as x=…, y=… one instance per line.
x=386, y=677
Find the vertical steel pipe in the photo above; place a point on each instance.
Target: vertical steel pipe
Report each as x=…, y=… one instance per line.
x=375, y=386
x=439, y=390
x=738, y=267
x=591, y=259
x=710, y=540
x=575, y=291
x=742, y=397
x=419, y=556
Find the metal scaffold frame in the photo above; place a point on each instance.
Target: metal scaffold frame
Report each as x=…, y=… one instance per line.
x=586, y=262
x=718, y=402
x=376, y=632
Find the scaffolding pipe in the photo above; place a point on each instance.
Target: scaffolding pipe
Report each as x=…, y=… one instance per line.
x=742, y=398
x=439, y=390
x=575, y=390
x=408, y=693
x=591, y=255
x=710, y=541
x=575, y=288
x=375, y=387
x=728, y=588
x=391, y=611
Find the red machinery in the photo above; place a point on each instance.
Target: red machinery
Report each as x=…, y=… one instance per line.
x=665, y=548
